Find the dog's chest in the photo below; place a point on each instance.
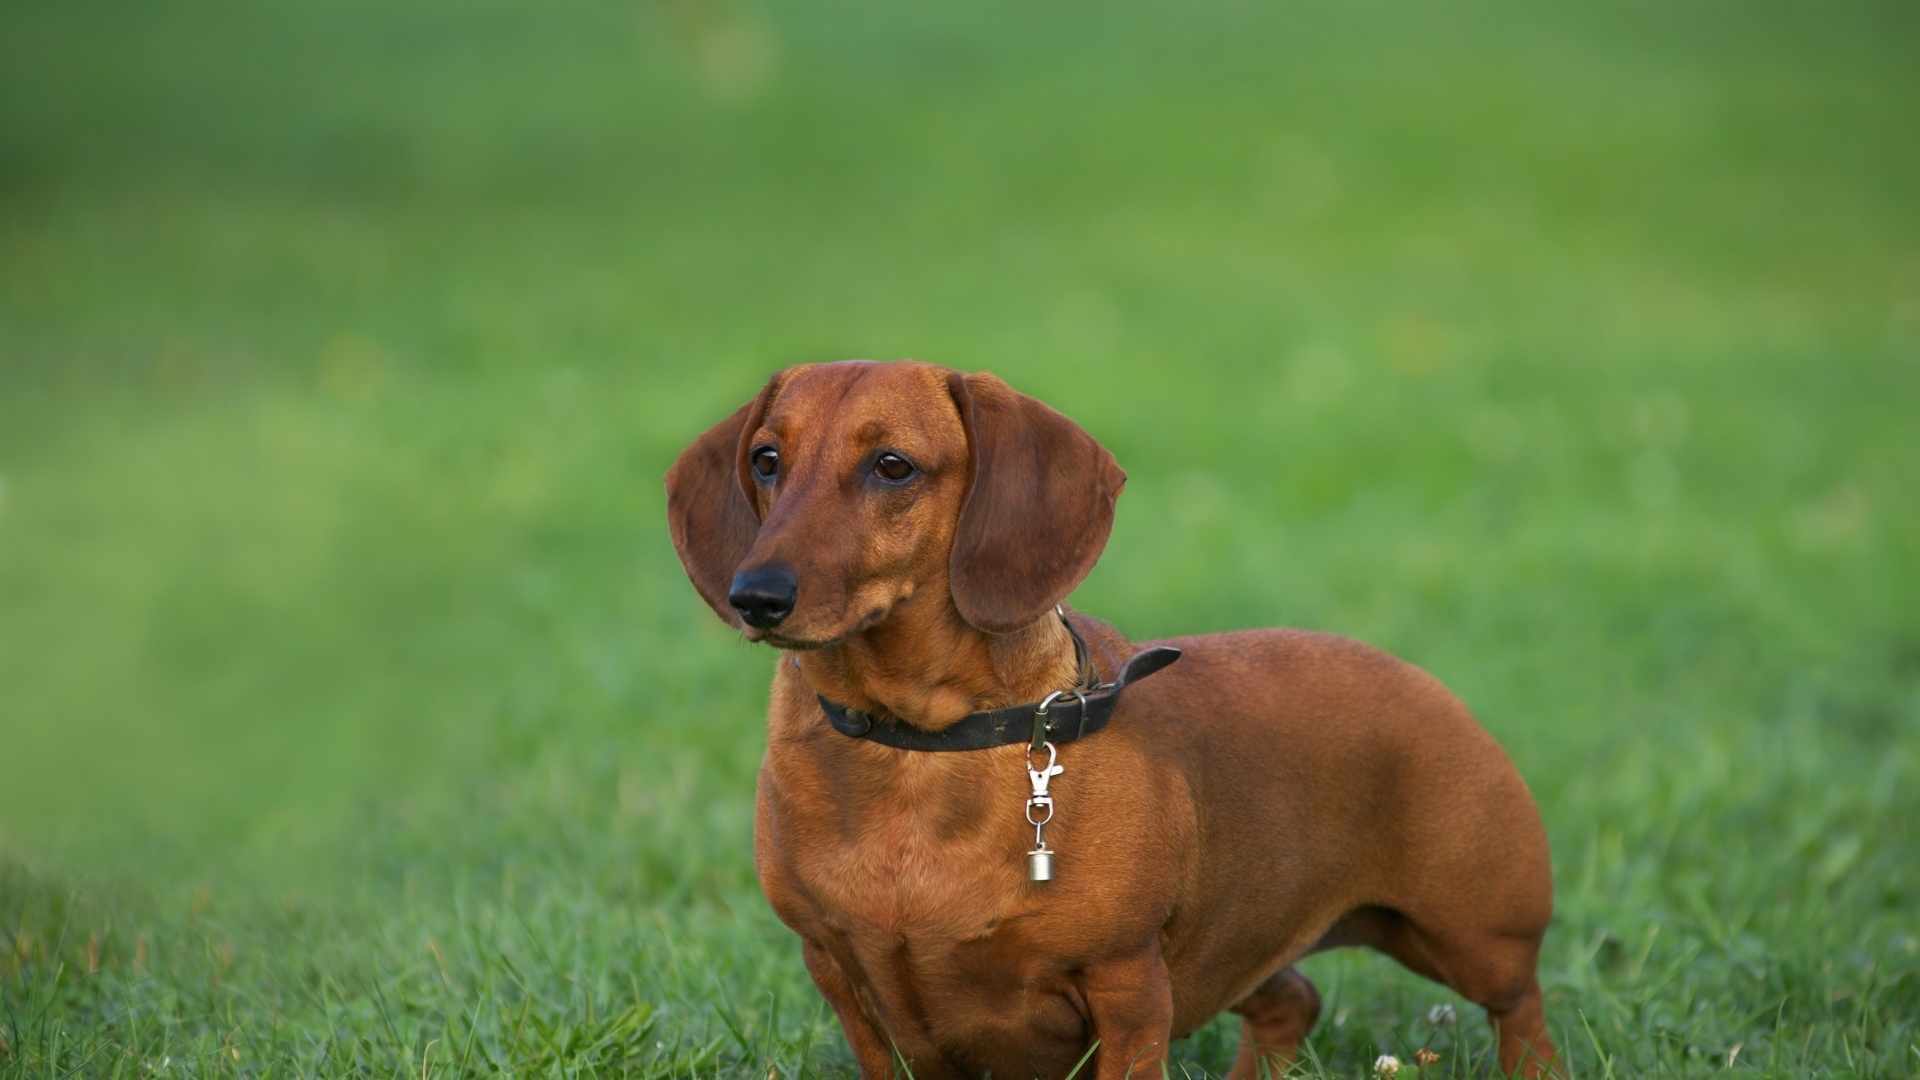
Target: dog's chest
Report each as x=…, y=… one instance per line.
x=912, y=874
x=931, y=845
x=915, y=880
x=922, y=917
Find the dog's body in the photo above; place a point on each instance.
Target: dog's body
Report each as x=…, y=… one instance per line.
x=1271, y=794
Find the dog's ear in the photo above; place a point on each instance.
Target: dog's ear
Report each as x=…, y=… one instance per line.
x=708, y=509
x=1039, y=509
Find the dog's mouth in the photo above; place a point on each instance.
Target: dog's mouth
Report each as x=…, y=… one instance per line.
x=780, y=641
x=790, y=643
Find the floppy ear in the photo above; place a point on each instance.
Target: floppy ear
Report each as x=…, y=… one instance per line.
x=1038, y=512
x=708, y=511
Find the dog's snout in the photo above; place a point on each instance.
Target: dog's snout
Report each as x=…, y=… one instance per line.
x=763, y=595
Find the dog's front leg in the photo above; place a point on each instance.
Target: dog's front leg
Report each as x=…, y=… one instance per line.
x=1131, y=1003
x=870, y=1047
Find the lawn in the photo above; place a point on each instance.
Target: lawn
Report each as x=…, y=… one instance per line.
x=356, y=718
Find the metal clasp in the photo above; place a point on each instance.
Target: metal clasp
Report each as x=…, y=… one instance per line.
x=1042, y=726
x=1039, y=779
x=1040, y=811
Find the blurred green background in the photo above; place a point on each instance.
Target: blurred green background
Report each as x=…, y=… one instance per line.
x=355, y=715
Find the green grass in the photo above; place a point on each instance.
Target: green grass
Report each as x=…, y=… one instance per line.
x=355, y=715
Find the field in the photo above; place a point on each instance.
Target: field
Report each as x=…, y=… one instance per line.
x=356, y=718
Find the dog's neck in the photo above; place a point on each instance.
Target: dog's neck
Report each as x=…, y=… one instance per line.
x=925, y=666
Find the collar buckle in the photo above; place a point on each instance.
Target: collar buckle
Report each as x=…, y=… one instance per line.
x=1043, y=724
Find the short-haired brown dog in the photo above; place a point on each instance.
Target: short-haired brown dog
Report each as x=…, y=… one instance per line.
x=905, y=534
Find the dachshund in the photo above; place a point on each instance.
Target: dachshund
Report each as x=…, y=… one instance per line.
x=1011, y=841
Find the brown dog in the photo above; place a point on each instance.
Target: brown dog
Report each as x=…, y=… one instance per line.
x=904, y=533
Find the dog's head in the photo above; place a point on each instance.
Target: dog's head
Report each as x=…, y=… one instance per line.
x=844, y=489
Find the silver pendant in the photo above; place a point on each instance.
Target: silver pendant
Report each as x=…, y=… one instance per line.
x=1039, y=865
x=1040, y=811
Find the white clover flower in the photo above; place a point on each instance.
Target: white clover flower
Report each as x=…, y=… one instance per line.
x=1386, y=1065
x=1441, y=1015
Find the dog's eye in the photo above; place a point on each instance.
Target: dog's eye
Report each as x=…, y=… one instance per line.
x=892, y=467
x=766, y=462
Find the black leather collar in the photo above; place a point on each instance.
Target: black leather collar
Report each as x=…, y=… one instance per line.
x=1064, y=717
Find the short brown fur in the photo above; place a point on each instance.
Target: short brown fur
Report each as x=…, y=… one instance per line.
x=1274, y=793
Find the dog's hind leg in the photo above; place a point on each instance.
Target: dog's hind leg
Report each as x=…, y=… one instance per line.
x=1521, y=1025
x=1492, y=969
x=1273, y=1020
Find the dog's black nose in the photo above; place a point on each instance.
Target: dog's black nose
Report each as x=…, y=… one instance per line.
x=763, y=595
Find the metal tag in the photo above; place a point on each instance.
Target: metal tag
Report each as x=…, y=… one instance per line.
x=1040, y=810
x=1040, y=865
